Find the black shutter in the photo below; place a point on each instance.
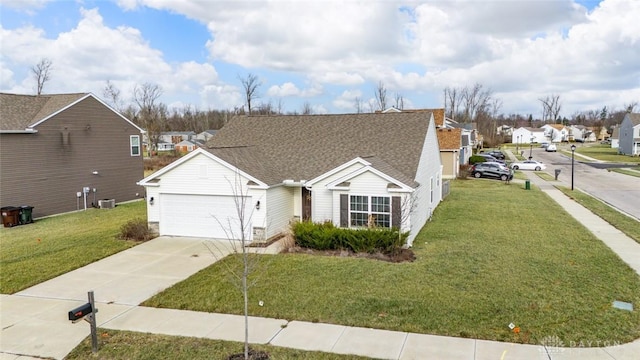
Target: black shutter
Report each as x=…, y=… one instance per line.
x=344, y=210
x=396, y=211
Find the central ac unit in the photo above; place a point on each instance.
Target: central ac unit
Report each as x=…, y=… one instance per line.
x=107, y=203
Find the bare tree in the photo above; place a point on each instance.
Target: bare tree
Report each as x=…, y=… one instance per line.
x=238, y=232
x=112, y=95
x=250, y=84
x=399, y=101
x=475, y=100
x=357, y=102
x=42, y=73
x=451, y=102
x=381, y=96
x=551, y=107
x=150, y=112
x=630, y=107
x=307, y=109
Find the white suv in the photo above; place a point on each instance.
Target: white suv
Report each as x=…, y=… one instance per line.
x=551, y=147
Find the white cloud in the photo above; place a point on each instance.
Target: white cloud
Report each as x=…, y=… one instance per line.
x=284, y=90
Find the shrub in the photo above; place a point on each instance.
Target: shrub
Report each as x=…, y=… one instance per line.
x=326, y=236
x=136, y=229
x=476, y=159
x=465, y=171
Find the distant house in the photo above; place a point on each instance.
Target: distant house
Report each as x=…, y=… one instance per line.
x=450, y=143
x=580, y=133
x=615, y=137
x=66, y=152
x=175, y=137
x=630, y=135
x=206, y=135
x=556, y=132
x=528, y=135
x=185, y=146
x=353, y=170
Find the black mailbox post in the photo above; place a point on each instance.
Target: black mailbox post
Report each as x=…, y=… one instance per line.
x=89, y=310
x=80, y=312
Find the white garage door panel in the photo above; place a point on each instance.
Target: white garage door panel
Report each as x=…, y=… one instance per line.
x=201, y=216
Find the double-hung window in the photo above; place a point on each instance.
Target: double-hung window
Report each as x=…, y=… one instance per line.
x=369, y=210
x=134, y=144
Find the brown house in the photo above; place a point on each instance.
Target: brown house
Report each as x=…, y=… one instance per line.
x=450, y=142
x=66, y=152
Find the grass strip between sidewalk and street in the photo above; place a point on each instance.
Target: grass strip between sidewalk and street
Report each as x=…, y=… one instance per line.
x=492, y=255
x=52, y=246
x=622, y=222
x=138, y=346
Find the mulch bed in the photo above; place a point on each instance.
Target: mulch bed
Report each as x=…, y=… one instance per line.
x=401, y=256
x=253, y=355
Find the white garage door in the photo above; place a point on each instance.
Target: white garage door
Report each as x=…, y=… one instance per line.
x=202, y=216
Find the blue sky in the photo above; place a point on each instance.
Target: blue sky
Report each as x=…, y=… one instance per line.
x=330, y=53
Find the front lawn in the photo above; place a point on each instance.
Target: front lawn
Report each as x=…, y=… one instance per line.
x=52, y=246
x=605, y=153
x=493, y=254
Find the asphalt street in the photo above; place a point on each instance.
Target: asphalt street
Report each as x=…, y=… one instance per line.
x=619, y=190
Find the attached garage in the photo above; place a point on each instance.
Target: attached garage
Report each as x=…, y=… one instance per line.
x=208, y=216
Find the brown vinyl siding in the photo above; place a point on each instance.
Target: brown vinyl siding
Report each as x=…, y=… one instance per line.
x=41, y=171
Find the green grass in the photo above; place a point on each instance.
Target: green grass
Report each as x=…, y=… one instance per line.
x=629, y=172
x=620, y=221
x=53, y=246
x=114, y=344
x=545, y=176
x=605, y=153
x=493, y=254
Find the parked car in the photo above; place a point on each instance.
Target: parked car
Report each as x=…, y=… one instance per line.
x=551, y=148
x=606, y=142
x=490, y=158
x=491, y=170
x=544, y=145
x=496, y=154
x=528, y=165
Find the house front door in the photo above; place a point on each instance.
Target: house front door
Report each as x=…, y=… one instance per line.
x=306, y=204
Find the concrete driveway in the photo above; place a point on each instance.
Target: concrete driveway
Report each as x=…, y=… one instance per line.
x=34, y=321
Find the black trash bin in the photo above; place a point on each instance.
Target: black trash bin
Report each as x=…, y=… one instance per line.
x=557, y=172
x=10, y=216
x=26, y=214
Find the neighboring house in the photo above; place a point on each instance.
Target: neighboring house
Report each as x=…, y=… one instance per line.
x=527, y=135
x=65, y=152
x=603, y=134
x=615, y=137
x=504, y=130
x=166, y=146
x=185, y=146
x=556, y=132
x=580, y=133
x=450, y=143
x=350, y=170
x=206, y=135
x=175, y=137
x=629, y=138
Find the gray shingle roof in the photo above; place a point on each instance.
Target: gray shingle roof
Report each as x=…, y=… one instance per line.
x=635, y=118
x=302, y=147
x=18, y=112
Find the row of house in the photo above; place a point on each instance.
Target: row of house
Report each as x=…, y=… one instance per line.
x=625, y=137
x=67, y=152
x=181, y=141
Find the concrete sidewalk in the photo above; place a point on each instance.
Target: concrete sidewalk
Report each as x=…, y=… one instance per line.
x=34, y=321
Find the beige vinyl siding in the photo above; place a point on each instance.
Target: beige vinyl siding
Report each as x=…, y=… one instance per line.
x=39, y=170
x=322, y=201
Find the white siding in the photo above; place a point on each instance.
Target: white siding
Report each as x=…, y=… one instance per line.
x=322, y=198
x=430, y=167
x=203, y=176
x=280, y=209
x=368, y=184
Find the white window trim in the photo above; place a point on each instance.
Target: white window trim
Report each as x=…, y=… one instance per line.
x=370, y=212
x=131, y=146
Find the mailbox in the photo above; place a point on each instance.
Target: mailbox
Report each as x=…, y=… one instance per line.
x=80, y=312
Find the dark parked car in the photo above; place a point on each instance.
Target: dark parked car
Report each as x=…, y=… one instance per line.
x=491, y=170
x=490, y=158
x=496, y=154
